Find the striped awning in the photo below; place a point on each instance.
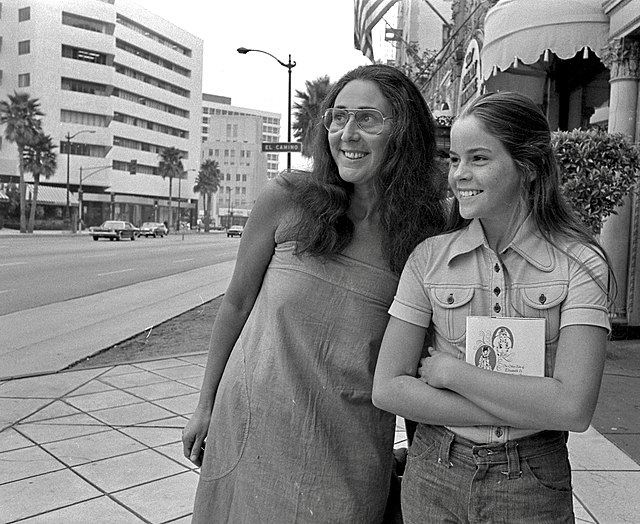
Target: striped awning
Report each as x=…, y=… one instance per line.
x=54, y=196
x=524, y=30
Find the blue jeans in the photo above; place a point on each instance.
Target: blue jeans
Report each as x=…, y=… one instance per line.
x=449, y=479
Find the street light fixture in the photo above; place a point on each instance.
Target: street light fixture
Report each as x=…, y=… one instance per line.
x=68, y=138
x=290, y=65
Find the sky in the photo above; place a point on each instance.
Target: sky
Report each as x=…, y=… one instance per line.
x=318, y=34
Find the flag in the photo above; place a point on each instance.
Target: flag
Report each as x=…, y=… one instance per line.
x=367, y=13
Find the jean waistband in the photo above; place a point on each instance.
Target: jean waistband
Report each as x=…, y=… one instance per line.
x=509, y=452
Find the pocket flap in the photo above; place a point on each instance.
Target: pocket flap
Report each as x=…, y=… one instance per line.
x=544, y=297
x=450, y=298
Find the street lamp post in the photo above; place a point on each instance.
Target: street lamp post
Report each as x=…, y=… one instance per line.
x=68, y=138
x=80, y=201
x=290, y=65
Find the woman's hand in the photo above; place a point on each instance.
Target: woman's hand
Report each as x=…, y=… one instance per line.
x=436, y=368
x=194, y=434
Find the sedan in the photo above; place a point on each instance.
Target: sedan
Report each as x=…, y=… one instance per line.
x=114, y=230
x=235, y=231
x=153, y=229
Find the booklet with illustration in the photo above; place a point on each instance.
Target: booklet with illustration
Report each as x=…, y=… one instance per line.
x=507, y=344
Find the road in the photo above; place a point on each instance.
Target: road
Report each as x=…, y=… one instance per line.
x=47, y=269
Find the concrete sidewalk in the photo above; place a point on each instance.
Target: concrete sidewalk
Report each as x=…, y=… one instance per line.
x=47, y=339
x=103, y=446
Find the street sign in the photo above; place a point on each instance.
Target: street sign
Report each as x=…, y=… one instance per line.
x=282, y=147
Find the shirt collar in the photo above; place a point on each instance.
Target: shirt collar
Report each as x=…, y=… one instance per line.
x=527, y=242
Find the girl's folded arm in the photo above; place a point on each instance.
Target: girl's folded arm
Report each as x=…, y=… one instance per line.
x=565, y=401
x=397, y=389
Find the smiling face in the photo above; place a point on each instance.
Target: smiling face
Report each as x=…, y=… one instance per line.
x=358, y=154
x=484, y=178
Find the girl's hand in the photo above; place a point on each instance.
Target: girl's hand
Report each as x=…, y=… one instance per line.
x=435, y=369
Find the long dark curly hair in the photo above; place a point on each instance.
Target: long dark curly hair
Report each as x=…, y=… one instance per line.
x=409, y=186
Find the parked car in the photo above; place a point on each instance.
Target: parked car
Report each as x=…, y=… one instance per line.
x=153, y=229
x=235, y=231
x=115, y=230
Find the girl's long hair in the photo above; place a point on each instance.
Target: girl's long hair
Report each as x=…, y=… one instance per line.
x=409, y=187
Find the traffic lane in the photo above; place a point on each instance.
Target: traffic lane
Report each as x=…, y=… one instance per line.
x=46, y=274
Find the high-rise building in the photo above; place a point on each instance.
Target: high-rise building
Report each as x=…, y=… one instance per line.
x=233, y=136
x=118, y=85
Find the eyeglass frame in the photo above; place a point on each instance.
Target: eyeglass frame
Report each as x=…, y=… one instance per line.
x=353, y=112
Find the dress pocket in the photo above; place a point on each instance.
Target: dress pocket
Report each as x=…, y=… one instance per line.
x=229, y=427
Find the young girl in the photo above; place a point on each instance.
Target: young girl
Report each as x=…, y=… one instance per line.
x=491, y=446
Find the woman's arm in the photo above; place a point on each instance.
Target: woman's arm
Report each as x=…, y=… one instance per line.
x=256, y=249
x=396, y=388
x=565, y=401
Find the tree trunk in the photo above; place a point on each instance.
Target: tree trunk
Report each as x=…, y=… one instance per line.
x=23, y=193
x=170, y=204
x=207, y=212
x=34, y=204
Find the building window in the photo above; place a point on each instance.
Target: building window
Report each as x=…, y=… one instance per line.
x=86, y=55
x=24, y=80
x=85, y=119
x=88, y=24
x=79, y=86
x=24, y=47
x=24, y=14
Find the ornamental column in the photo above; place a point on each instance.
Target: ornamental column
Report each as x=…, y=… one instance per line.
x=620, y=232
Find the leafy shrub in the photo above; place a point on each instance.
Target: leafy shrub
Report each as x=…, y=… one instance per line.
x=598, y=169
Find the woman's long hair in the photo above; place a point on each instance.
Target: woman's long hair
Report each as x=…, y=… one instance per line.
x=408, y=185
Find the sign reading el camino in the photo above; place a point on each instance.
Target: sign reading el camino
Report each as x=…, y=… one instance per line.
x=470, y=78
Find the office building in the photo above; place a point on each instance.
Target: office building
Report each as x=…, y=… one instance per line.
x=118, y=85
x=233, y=137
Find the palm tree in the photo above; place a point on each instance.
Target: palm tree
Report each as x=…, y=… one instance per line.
x=21, y=116
x=40, y=159
x=170, y=165
x=207, y=183
x=307, y=112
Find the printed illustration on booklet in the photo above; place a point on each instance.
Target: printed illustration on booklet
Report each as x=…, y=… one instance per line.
x=507, y=345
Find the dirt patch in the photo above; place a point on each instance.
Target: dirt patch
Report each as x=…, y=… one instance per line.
x=187, y=333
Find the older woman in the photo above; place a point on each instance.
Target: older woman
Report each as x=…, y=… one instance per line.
x=291, y=433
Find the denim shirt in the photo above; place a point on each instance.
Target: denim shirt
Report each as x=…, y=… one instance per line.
x=455, y=275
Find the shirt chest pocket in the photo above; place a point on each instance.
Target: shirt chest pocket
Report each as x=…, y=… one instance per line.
x=451, y=307
x=544, y=302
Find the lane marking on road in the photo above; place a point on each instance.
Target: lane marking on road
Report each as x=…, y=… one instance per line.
x=5, y=291
x=114, y=272
x=183, y=260
x=13, y=264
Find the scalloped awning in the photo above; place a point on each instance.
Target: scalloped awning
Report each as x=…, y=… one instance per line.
x=525, y=30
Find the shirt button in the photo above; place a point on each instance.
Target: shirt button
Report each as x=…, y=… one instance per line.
x=496, y=291
x=497, y=308
x=542, y=298
x=499, y=432
x=482, y=452
x=450, y=299
x=496, y=268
